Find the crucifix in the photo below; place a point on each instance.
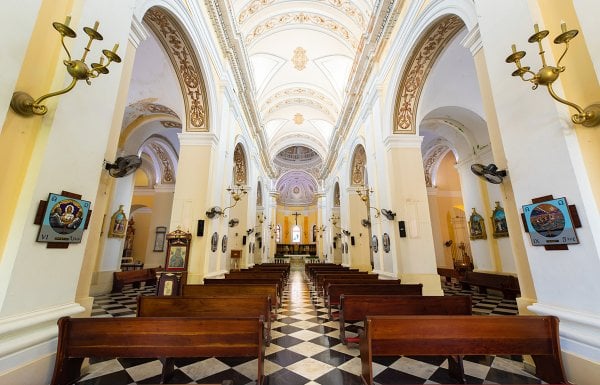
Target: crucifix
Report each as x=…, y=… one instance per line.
x=296, y=215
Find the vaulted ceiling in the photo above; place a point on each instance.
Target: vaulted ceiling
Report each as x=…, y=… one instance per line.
x=296, y=61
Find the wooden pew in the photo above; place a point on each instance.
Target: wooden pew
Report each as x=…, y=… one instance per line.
x=155, y=337
x=508, y=284
x=121, y=278
x=319, y=276
x=217, y=307
x=246, y=281
x=335, y=291
x=350, y=279
x=233, y=290
x=256, y=274
x=354, y=308
x=456, y=336
x=448, y=274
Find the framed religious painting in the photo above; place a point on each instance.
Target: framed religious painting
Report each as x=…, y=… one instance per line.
x=159, y=238
x=214, y=241
x=224, y=244
x=550, y=223
x=64, y=219
x=499, y=222
x=375, y=243
x=178, y=250
x=118, y=224
x=476, y=226
x=386, y=242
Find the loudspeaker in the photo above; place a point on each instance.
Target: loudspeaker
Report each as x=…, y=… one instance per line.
x=352, y=240
x=402, y=228
x=200, y=231
x=244, y=240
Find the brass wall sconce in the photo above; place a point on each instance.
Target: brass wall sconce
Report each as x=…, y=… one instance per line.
x=589, y=116
x=261, y=218
x=236, y=193
x=23, y=104
x=364, y=192
x=334, y=220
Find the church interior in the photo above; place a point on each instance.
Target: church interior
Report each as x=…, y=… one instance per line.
x=152, y=147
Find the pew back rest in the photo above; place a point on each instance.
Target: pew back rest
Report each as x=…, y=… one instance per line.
x=335, y=291
x=464, y=335
x=253, y=306
x=357, y=307
x=152, y=338
x=232, y=290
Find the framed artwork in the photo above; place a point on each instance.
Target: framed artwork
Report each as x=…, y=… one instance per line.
x=159, y=238
x=346, y=247
x=224, y=244
x=385, y=240
x=499, y=222
x=214, y=240
x=374, y=243
x=118, y=224
x=64, y=219
x=549, y=223
x=476, y=226
x=178, y=249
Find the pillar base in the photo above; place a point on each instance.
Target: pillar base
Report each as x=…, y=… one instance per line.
x=432, y=284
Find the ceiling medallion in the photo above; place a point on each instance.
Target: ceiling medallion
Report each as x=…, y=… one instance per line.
x=298, y=118
x=299, y=59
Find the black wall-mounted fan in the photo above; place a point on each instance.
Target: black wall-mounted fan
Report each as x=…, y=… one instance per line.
x=214, y=211
x=388, y=214
x=233, y=222
x=490, y=172
x=123, y=166
x=365, y=222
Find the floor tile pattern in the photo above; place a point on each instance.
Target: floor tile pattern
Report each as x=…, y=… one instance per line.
x=305, y=349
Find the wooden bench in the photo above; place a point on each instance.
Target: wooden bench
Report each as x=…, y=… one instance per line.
x=233, y=290
x=136, y=277
x=155, y=337
x=246, y=281
x=448, y=273
x=217, y=307
x=351, y=279
x=257, y=274
x=355, y=308
x=507, y=284
x=456, y=336
x=335, y=291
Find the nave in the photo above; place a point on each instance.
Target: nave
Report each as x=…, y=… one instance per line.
x=305, y=350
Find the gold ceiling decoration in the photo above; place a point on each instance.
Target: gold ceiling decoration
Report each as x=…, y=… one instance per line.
x=300, y=101
x=165, y=163
x=417, y=70
x=301, y=18
x=298, y=118
x=251, y=9
x=299, y=59
x=359, y=163
x=299, y=91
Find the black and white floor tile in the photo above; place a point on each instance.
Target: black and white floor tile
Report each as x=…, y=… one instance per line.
x=305, y=349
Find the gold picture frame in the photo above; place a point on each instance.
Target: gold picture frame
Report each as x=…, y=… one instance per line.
x=118, y=224
x=476, y=226
x=178, y=250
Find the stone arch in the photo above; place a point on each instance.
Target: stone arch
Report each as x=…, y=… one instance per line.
x=358, y=166
x=420, y=62
x=180, y=50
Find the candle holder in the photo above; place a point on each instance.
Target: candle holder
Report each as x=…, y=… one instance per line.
x=24, y=104
x=589, y=116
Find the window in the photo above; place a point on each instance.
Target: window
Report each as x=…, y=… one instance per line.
x=296, y=234
x=278, y=234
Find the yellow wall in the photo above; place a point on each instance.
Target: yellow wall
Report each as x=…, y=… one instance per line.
x=287, y=221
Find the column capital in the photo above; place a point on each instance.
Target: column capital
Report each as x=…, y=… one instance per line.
x=402, y=141
x=198, y=139
x=472, y=41
x=138, y=32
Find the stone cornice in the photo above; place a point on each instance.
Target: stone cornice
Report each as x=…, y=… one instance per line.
x=198, y=139
x=409, y=141
x=138, y=32
x=473, y=40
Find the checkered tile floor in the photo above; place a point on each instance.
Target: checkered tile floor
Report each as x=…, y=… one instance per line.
x=305, y=349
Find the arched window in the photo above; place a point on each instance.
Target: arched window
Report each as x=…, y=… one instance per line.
x=278, y=234
x=296, y=234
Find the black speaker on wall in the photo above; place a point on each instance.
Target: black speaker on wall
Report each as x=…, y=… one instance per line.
x=200, y=231
x=402, y=228
x=352, y=240
x=244, y=240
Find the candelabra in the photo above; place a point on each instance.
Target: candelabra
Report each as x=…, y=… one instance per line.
x=24, y=104
x=589, y=116
x=237, y=192
x=364, y=192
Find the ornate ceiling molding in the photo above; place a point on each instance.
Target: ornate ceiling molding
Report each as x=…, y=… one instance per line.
x=359, y=164
x=300, y=101
x=432, y=160
x=345, y=7
x=299, y=59
x=299, y=92
x=186, y=66
x=281, y=21
x=415, y=74
x=167, y=175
